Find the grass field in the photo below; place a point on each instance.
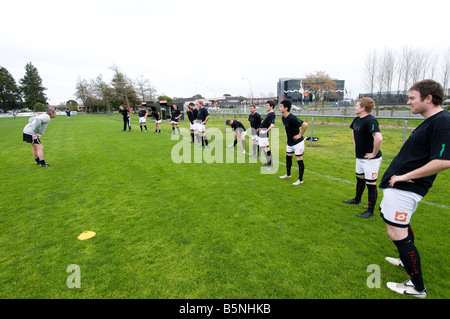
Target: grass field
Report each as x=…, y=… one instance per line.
x=197, y=230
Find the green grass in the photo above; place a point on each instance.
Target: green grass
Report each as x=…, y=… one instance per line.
x=197, y=230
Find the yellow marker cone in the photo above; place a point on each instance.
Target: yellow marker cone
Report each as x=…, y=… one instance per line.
x=86, y=235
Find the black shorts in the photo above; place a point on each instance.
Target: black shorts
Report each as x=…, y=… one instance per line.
x=32, y=139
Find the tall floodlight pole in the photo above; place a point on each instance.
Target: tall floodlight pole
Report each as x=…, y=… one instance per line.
x=251, y=92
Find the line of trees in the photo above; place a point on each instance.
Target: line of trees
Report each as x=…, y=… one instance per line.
x=395, y=71
x=97, y=94
x=29, y=93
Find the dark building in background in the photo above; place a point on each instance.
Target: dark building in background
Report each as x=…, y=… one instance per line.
x=297, y=91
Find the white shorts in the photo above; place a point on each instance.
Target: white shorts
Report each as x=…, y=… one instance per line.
x=142, y=120
x=368, y=167
x=157, y=121
x=201, y=127
x=263, y=141
x=255, y=138
x=298, y=148
x=173, y=122
x=192, y=126
x=240, y=134
x=397, y=206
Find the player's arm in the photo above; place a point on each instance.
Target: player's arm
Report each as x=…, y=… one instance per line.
x=206, y=119
x=377, y=140
x=304, y=126
x=433, y=167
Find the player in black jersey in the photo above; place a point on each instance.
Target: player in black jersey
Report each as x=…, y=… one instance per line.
x=202, y=118
x=267, y=124
x=254, y=120
x=176, y=114
x=367, y=139
x=192, y=118
x=239, y=131
x=295, y=141
x=126, y=117
x=142, y=118
x=157, y=117
x=411, y=175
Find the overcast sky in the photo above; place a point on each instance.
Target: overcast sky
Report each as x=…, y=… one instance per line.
x=208, y=47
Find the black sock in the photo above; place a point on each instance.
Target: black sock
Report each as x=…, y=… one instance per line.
x=42, y=161
x=243, y=144
x=288, y=165
x=411, y=233
x=178, y=129
x=145, y=127
x=360, y=186
x=411, y=261
x=301, y=169
x=192, y=136
x=36, y=159
x=254, y=149
x=258, y=150
x=373, y=194
x=269, y=157
x=206, y=140
x=235, y=142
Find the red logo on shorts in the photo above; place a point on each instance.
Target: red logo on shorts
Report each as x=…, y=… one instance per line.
x=374, y=175
x=401, y=216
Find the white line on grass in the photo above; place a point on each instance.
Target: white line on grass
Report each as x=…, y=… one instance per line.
x=333, y=178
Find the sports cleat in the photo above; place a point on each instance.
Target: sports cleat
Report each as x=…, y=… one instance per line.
x=285, y=176
x=366, y=214
x=298, y=182
x=395, y=261
x=352, y=201
x=46, y=165
x=406, y=288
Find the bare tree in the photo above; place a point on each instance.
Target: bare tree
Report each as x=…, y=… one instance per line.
x=104, y=91
x=123, y=86
x=446, y=71
x=144, y=88
x=82, y=90
x=370, y=71
x=320, y=85
x=407, y=60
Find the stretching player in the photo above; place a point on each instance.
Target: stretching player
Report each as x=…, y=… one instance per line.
x=192, y=119
x=157, y=117
x=239, y=131
x=202, y=118
x=267, y=124
x=32, y=133
x=142, y=118
x=176, y=114
x=367, y=139
x=295, y=141
x=254, y=120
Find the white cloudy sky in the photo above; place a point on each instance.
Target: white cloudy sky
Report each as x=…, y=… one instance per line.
x=207, y=46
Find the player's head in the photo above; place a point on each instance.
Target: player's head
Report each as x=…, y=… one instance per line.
x=121, y=107
x=270, y=104
x=286, y=105
x=429, y=87
x=252, y=109
x=175, y=106
x=200, y=104
x=229, y=122
x=51, y=113
x=191, y=106
x=367, y=104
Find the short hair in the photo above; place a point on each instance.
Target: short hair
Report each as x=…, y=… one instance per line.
x=51, y=111
x=253, y=106
x=367, y=103
x=429, y=87
x=227, y=122
x=191, y=104
x=287, y=104
x=200, y=102
x=271, y=103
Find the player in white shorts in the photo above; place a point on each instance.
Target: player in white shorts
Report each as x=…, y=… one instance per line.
x=142, y=118
x=409, y=178
x=367, y=140
x=295, y=141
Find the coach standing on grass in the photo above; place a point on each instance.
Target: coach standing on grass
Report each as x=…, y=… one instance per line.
x=367, y=140
x=295, y=141
x=32, y=133
x=410, y=176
